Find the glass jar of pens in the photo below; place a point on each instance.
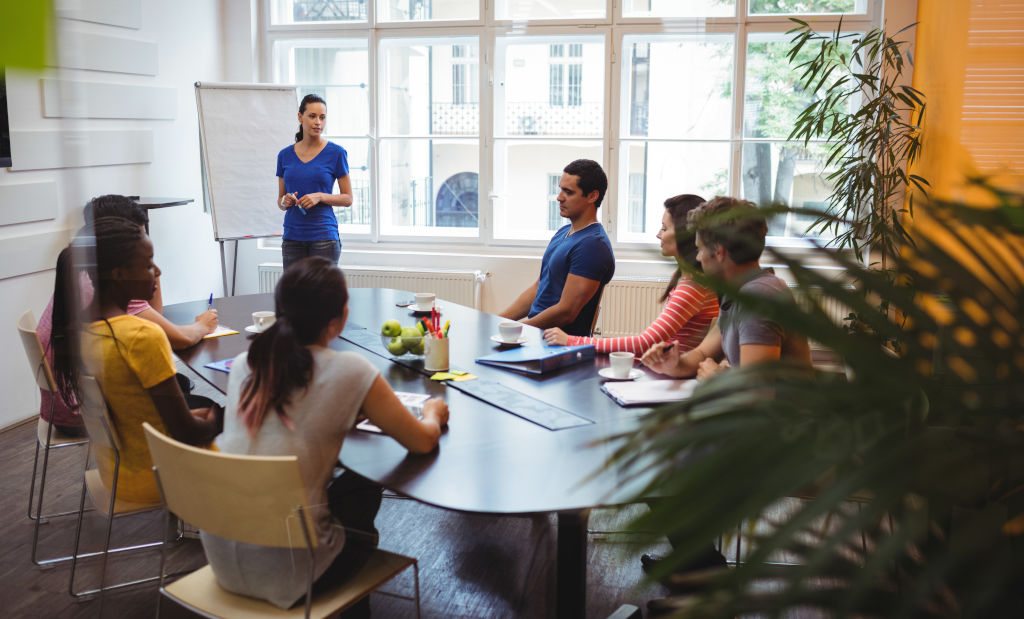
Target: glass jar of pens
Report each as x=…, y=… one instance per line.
x=435, y=344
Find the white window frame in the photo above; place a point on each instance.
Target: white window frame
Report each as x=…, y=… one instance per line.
x=613, y=26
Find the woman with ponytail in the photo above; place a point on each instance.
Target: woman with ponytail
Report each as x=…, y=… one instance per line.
x=306, y=172
x=689, y=309
x=290, y=394
x=128, y=356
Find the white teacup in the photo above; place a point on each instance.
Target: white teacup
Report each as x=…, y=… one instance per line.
x=424, y=301
x=261, y=321
x=622, y=363
x=510, y=331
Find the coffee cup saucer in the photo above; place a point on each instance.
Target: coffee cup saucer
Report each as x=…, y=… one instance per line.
x=423, y=312
x=253, y=329
x=519, y=342
x=634, y=374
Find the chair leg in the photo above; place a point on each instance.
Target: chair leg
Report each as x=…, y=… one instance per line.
x=78, y=534
x=416, y=581
x=739, y=537
x=32, y=485
x=106, y=552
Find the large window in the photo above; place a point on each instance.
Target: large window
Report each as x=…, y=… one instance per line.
x=458, y=115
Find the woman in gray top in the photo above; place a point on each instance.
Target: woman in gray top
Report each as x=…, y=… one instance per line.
x=292, y=395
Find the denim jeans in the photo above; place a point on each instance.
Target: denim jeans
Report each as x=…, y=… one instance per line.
x=293, y=251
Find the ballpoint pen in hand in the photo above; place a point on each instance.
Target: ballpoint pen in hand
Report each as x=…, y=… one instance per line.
x=209, y=304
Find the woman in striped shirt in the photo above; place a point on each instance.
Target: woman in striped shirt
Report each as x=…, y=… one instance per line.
x=689, y=309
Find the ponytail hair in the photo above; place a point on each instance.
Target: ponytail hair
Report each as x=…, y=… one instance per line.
x=308, y=296
x=63, y=342
x=679, y=208
x=310, y=98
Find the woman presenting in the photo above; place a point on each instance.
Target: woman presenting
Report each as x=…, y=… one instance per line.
x=305, y=179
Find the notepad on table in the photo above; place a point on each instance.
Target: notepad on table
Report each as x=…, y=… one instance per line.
x=413, y=401
x=644, y=392
x=219, y=331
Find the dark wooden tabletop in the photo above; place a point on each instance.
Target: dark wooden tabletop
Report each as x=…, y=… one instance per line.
x=488, y=461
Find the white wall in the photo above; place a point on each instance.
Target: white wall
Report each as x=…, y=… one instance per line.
x=187, y=35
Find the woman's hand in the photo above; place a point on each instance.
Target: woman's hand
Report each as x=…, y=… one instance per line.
x=437, y=410
x=709, y=367
x=662, y=357
x=310, y=200
x=288, y=200
x=208, y=320
x=556, y=337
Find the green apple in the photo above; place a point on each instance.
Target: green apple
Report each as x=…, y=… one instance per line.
x=411, y=332
x=411, y=338
x=396, y=347
x=391, y=328
x=417, y=349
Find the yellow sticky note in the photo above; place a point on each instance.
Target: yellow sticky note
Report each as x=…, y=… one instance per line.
x=442, y=376
x=464, y=376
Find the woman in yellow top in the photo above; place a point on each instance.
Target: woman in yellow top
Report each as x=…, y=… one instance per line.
x=130, y=357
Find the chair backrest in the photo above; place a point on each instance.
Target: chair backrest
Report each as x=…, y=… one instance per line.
x=249, y=499
x=34, y=351
x=96, y=415
x=597, y=309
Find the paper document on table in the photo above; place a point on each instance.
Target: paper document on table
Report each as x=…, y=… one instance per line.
x=412, y=401
x=219, y=331
x=642, y=392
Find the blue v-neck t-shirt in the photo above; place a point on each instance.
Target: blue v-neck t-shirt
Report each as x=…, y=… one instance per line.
x=316, y=175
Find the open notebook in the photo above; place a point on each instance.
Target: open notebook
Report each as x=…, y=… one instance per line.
x=413, y=401
x=646, y=392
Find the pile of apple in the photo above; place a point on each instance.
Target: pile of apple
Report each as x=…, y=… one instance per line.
x=402, y=339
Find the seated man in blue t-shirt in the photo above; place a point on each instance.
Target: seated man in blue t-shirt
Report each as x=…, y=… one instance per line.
x=578, y=261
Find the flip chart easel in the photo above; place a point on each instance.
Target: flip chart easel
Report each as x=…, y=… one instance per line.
x=242, y=127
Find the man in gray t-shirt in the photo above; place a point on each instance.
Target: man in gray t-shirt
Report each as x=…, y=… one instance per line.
x=730, y=239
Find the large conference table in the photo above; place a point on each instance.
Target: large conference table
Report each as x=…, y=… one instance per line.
x=489, y=461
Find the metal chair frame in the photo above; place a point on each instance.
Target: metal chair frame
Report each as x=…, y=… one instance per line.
x=44, y=379
x=93, y=403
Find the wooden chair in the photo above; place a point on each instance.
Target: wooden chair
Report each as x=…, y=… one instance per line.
x=254, y=500
x=103, y=443
x=47, y=437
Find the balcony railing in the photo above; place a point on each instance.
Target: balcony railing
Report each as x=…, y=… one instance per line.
x=542, y=118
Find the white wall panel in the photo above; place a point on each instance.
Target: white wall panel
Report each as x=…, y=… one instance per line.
x=41, y=150
x=31, y=253
x=27, y=202
x=95, y=52
x=124, y=13
x=76, y=99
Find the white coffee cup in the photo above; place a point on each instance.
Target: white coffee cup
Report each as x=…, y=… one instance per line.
x=424, y=301
x=261, y=321
x=622, y=364
x=510, y=331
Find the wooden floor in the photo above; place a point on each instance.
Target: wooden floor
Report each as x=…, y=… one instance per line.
x=470, y=566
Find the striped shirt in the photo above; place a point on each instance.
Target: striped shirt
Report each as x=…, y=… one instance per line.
x=685, y=320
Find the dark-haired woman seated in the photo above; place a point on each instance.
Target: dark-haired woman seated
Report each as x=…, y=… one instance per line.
x=292, y=395
x=130, y=357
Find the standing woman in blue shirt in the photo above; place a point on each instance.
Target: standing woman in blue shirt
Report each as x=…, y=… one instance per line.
x=306, y=172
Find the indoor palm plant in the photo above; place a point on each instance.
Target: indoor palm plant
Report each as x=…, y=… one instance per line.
x=929, y=442
x=932, y=441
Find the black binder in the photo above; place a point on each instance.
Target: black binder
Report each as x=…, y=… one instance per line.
x=539, y=359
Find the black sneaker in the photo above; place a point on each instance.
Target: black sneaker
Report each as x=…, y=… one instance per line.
x=709, y=558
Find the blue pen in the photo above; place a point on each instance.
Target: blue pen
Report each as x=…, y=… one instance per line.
x=209, y=304
x=301, y=210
